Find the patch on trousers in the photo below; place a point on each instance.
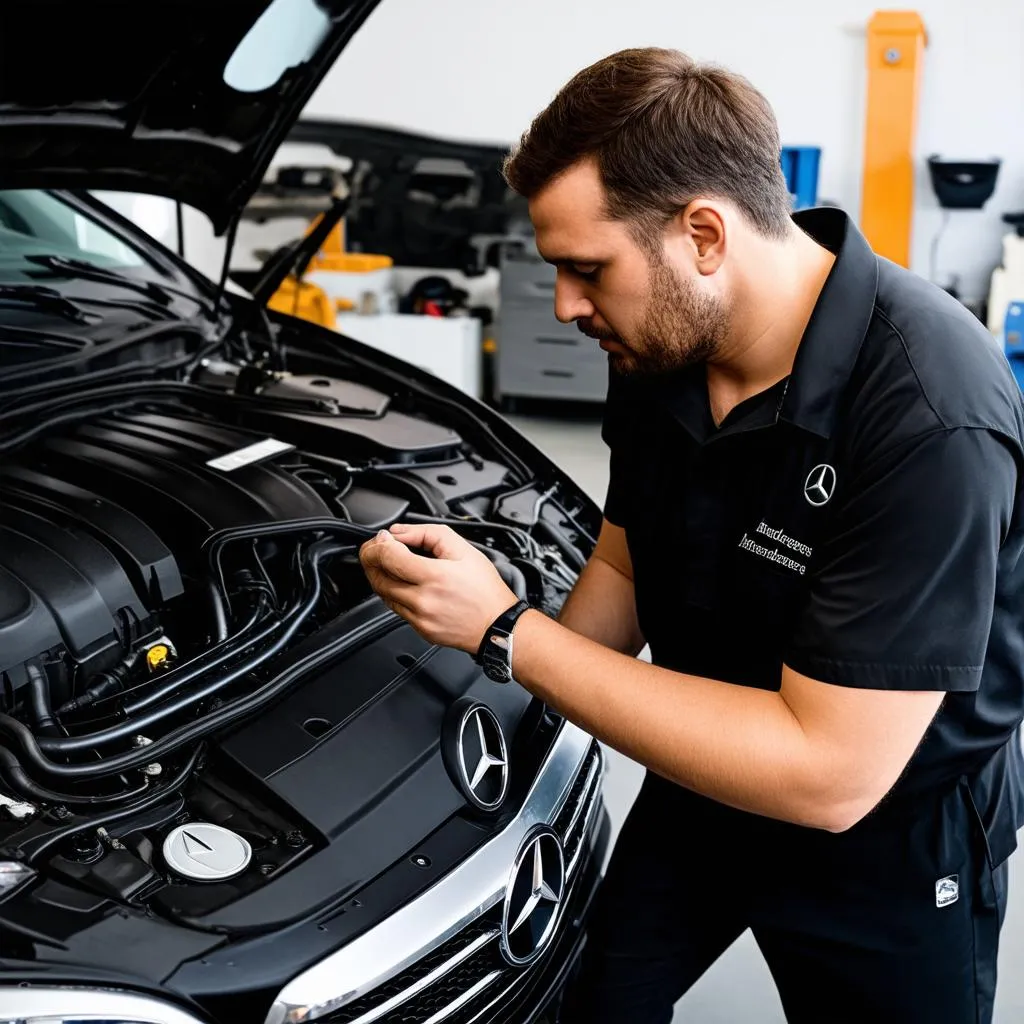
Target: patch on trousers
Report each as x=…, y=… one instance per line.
x=947, y=890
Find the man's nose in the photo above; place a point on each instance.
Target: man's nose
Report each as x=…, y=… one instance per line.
x=570, y=302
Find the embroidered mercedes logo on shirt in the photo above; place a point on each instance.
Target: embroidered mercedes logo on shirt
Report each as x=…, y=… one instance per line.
x=820, y=485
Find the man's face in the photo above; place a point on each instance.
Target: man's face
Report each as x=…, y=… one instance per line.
x=650, y=312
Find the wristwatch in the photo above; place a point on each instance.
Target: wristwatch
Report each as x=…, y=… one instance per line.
x=495, y=653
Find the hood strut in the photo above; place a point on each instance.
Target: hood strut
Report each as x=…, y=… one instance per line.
x=229, y=251
x=293, y=259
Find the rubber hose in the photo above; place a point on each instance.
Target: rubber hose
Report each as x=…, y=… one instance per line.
x=35, y=848
x=39, y=700
x=514, y=578
x=213, y=544
x=135, y=758
x=134, y=725
x=14, y=775
x=205, y=662
x=220, y=615
x=177, y=677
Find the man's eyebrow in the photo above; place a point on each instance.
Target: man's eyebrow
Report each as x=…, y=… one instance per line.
x=569, y=261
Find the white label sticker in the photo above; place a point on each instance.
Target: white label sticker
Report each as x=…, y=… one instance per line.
x=947, y=890
x=248, y=455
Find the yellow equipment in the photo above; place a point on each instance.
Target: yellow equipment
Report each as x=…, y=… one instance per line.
x=306, y=301
x=310, y=302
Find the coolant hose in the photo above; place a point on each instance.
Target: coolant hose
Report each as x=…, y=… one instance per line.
x=39, y=700
x=135, y=722
x=514, y=578
x=15, y=777
x=34, y=848
x=220, y=615
x=205, y=662
x=112, y=682
x=33, y=748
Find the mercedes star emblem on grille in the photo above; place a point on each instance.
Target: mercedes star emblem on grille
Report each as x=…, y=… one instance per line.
x=205, y=852
x=477, y=754
x=533, y=897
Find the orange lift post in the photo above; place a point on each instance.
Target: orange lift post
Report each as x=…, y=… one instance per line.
x=895, y=56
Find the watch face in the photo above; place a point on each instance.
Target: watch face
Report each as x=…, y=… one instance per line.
x=498, y=671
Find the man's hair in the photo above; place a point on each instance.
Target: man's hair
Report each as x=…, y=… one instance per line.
x=664, y=130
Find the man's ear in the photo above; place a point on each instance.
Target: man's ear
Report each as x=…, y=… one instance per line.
x=702, y=227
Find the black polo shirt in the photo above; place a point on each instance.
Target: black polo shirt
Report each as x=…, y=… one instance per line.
x=861, y=521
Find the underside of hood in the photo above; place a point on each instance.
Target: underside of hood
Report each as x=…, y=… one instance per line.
x=187, y=99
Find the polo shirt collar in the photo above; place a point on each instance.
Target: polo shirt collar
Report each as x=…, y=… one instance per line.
x=810, y=396
x=837, y=327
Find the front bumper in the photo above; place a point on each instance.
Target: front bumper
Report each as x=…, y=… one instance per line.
x=396, y=973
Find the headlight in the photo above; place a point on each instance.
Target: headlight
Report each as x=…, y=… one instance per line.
x=85, y=1006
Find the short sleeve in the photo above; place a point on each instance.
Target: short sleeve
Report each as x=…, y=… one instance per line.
x=903, y=587
x=616, y=434
x=617, y=496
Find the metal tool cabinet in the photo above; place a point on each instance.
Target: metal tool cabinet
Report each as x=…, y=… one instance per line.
x=538, y=357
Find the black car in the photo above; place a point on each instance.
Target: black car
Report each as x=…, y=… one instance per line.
x=233, y=786
x=423, y=200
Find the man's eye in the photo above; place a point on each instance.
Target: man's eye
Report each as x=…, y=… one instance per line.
x=588, y=271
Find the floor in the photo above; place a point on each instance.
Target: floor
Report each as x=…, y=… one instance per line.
x=738, y=989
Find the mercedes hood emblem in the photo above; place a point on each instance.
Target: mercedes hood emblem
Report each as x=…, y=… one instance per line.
x=476, y=753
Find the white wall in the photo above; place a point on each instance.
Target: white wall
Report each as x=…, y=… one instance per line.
x=480, y=69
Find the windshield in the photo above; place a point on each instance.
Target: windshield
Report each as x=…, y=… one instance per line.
x=37, y=223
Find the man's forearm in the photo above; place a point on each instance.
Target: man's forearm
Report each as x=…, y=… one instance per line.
x=602, y=607
x=738, y=745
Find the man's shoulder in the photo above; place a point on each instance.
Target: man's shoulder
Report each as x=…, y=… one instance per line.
x=928, y=364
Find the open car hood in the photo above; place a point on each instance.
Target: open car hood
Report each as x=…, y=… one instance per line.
x=187, y=99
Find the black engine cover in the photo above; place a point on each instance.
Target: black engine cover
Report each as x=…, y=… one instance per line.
x=78, y=574
x=99, y=526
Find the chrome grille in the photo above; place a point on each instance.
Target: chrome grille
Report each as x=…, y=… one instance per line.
x=458, y=958
x=458, y=978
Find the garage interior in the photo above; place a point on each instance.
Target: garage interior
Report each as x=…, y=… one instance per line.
x=812, y=61
x=909, y=120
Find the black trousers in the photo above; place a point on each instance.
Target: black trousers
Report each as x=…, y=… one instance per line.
x=854, y=926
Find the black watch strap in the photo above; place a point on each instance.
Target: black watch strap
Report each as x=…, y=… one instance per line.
x=495, y=651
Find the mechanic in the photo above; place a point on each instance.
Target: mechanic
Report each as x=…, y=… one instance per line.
x=814, y=520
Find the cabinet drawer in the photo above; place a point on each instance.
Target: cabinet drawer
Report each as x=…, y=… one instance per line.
x=535, y=329
x=581, y=383
x=577, y=353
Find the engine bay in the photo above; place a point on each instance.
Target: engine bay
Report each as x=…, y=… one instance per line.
x=177, y=558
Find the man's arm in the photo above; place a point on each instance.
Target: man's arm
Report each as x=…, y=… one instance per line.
x=898, y=613
x=602, y=605
x=813, y=754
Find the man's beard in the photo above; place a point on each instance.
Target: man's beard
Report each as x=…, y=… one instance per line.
x=681, y=326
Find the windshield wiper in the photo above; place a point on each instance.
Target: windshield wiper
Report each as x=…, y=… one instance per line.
x=147, y=309
x=91, y=272
x=71, y=307
x=47, y=300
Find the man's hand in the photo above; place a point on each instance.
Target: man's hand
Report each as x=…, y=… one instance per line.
x=450, y=599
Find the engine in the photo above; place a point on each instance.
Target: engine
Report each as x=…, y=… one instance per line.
x=158, y=561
